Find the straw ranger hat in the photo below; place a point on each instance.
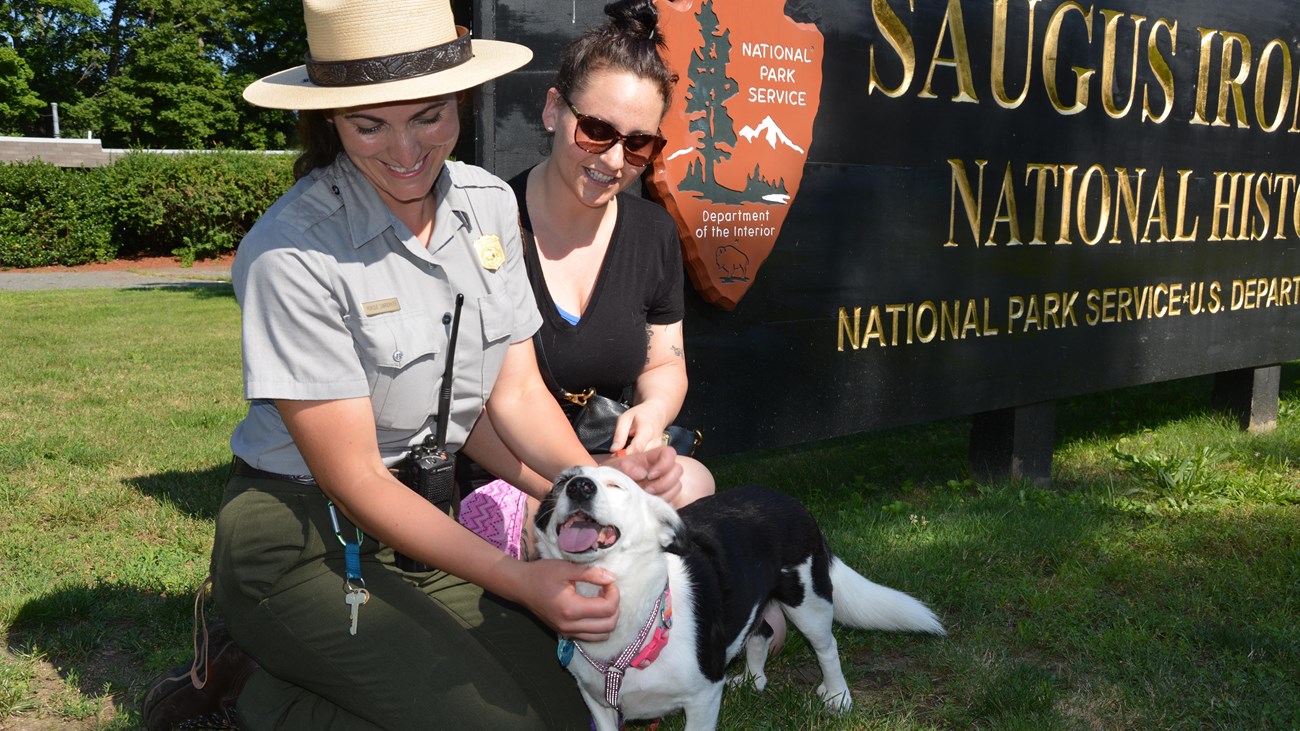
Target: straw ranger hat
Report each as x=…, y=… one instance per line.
x=376, y=51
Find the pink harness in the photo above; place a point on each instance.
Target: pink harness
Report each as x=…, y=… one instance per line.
x=644, y=649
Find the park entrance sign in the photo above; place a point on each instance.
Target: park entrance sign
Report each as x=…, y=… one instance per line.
x=739, y=128
x=972, y=206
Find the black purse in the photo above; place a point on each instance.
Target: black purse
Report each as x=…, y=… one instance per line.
x=594, y=418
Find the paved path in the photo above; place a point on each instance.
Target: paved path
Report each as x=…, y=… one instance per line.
x=207, y=276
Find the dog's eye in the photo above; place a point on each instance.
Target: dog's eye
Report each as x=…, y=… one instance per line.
x=615, y=485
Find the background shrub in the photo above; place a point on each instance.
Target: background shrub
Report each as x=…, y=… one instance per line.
x=52, y=216
x=194, y=205
x=190, y=205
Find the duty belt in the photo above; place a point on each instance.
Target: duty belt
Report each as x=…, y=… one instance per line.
x=244, y=469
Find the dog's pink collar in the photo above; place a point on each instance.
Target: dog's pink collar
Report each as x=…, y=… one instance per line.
x=644, y=649
x=659, y=640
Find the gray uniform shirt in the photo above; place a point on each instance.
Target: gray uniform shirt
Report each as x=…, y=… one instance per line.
x=340, y=300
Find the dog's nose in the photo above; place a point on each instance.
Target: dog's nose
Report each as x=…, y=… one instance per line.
x=580, y=488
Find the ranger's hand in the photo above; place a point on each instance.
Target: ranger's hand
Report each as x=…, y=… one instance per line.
x=552, y=593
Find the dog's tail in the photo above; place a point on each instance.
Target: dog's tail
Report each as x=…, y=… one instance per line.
x=862, y=603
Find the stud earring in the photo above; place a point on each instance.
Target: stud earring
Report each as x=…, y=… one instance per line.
x=550, y=129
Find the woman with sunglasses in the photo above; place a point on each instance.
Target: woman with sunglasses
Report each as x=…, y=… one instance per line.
x=605, y=265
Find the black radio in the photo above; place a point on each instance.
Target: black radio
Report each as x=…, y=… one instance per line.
x=429, y=469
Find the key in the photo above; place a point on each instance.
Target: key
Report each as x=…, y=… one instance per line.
x=355, y=599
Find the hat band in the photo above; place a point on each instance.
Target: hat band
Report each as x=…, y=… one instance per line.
x=391, y=68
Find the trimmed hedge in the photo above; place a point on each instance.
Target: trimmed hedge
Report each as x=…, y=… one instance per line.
x=192, y=206
x=50, y=215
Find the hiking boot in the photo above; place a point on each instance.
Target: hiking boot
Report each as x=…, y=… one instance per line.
x=180, y=700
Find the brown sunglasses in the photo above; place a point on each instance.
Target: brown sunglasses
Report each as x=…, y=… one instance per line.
x=595, y=135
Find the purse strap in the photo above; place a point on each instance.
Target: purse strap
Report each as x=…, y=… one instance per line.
x=543, y=364
x=544, y=367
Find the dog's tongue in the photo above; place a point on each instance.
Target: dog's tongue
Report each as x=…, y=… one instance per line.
x=578, y=537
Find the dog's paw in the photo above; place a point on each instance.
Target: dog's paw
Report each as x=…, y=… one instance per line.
x=837, y=701
x=759, y=681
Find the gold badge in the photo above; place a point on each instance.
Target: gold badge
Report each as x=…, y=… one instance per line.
x=490, y=253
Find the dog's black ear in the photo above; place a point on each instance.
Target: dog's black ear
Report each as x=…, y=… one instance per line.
x=544, y=512
x=679, y=541
x=673, y=536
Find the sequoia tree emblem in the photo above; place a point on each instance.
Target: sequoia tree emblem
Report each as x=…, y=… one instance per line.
x=738, y=128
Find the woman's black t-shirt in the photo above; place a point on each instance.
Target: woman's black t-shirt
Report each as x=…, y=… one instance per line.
x=639, y=284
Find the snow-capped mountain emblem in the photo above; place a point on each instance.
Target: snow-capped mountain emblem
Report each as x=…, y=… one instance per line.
x=771, y=134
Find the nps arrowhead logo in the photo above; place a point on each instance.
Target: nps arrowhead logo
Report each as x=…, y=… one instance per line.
x=738, y=129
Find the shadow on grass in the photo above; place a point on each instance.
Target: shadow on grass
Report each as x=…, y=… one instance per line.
x=937, y=451
x=864, y=462
x=1027, y=579
x=115, y=638
x=200, y=289
x=1276, y=448
x=195, y=493
x=1111, y=414
x=103, y=640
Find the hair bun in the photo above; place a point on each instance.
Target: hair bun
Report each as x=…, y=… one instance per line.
x=636, y=18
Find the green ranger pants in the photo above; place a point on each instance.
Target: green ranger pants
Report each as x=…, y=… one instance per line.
x=431, y=651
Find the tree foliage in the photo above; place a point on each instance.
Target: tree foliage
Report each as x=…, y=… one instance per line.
x=19, y=105
x=149, y=73
x=62, y=43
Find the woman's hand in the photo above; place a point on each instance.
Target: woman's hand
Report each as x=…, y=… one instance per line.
x=659, y=392
x=550, y=592
x=656, y=471
x=640, y=428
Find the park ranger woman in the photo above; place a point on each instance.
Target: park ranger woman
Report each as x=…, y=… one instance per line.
x=356, y=288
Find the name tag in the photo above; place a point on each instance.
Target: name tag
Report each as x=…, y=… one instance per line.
x=379, y=307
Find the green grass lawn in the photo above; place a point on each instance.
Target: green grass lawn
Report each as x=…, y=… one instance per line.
x=1154, y=587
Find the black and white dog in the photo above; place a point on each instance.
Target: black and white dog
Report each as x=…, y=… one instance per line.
x=693, y=587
